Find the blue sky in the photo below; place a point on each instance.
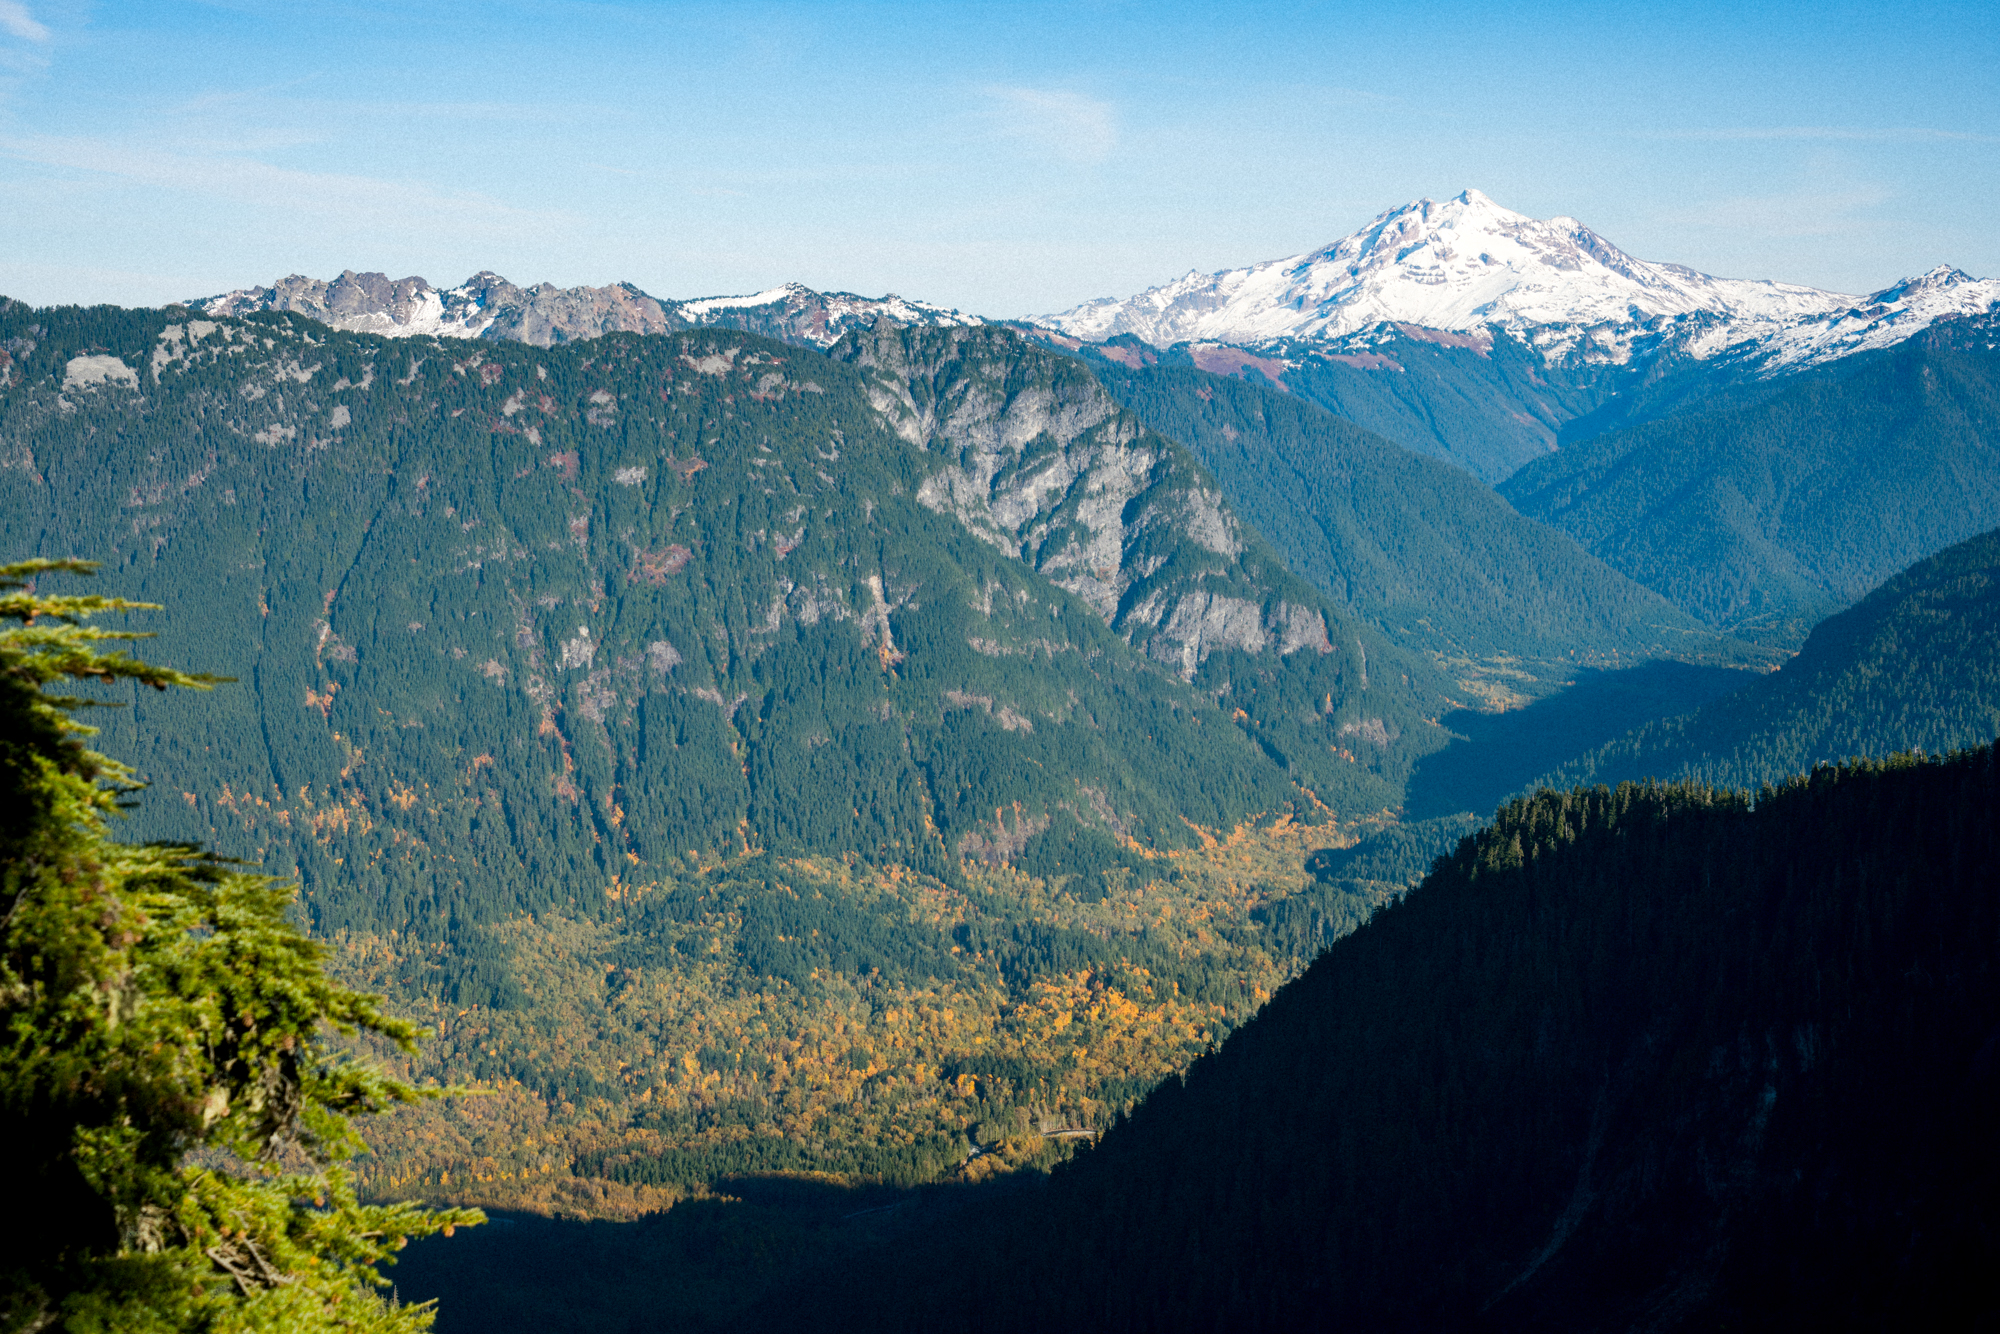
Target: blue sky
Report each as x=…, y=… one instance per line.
x=1004, y=159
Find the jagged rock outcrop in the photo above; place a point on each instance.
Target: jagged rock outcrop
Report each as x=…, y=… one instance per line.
x=483, y=306
x=488, y=306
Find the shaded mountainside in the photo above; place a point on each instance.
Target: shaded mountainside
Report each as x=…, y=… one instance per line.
x=1486, y=401
x=1763, y=517
x=1649, y=1058
x=1915, y=665
x=1432, y=557
x=1496, y=756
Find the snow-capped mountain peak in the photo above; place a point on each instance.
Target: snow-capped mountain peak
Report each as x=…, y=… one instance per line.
x=1460, y=264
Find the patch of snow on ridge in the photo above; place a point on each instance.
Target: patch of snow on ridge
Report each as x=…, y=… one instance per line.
x=429, y=316
x=705, y=305
x=799, y=313
x=1882, y=320
x=1461, y=264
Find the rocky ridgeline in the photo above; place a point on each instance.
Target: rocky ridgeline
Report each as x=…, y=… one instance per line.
x=488, y=306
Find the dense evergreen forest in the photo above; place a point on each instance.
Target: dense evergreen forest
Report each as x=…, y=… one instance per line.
x=1660, y=1057
x=1762, y=517
x=1418, y=547
x=736, y=760
x=594, y=610
x=1914, y=665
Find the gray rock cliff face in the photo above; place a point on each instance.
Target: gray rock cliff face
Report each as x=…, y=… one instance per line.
x=1038, y=460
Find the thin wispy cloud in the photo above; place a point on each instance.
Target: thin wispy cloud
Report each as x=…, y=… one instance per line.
x=18, y=22
x=350, y=198
x=1064, y=124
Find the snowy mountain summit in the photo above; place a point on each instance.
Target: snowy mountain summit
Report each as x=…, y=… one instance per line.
x=1465, y=266
x=1469, y=263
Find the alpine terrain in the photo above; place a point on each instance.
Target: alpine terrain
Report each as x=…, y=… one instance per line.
x=1475, y=333
x=1444, y=781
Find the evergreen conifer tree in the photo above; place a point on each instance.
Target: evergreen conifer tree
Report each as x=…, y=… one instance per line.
x=174, y=1084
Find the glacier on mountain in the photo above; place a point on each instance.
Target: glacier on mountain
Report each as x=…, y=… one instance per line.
x=1469, y=264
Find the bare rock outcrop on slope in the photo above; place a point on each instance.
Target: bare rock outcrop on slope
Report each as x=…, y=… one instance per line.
x=1040, y=461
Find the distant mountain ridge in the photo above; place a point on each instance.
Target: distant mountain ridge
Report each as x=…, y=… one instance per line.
x=488, y=306
x=1468, y=264
x=1762, y=512
x=1461, y=329
x=1465, y=265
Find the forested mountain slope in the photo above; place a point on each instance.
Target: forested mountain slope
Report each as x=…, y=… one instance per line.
x=1487, y=401
x=1915, y=665
x=1418, y=547
x=1763, y=517
x=647, y=595
x=1650, y=1058
x=743, y=756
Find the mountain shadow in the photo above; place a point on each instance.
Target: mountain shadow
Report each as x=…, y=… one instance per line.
x=1655, y=1058
x=1498, y=754
x=1914, y=665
